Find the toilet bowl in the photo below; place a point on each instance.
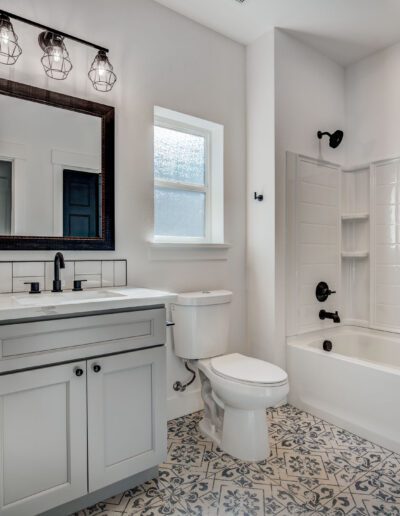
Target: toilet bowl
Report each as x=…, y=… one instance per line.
x=239, y=392
x=236, y=389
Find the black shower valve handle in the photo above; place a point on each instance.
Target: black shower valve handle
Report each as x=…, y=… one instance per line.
x=322, y=292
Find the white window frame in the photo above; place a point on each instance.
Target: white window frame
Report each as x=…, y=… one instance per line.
x=214, y=174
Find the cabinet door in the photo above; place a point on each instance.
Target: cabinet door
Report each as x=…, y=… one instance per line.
x=43, y=439
x=126, y=415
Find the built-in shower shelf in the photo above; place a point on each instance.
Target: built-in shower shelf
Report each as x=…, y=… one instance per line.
x=355, y=216
x=355, y=254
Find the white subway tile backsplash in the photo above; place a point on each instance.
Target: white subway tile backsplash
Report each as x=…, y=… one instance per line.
x=99, y=273
x=107, y=274
x=90, y=267
x=25, y=269
x=5, y=277
x=120, y=274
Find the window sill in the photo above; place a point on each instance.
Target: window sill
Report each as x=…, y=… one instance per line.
x=187, y=251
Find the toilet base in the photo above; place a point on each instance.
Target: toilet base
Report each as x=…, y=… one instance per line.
x=209, y=430
x=245, y=434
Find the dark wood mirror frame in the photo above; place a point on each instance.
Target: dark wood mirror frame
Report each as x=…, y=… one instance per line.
x=106, y=242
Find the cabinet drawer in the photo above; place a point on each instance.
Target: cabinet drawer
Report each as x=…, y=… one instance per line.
x=145, y=327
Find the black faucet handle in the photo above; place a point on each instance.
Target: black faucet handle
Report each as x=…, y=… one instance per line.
x=78, y=285
x=35, y=287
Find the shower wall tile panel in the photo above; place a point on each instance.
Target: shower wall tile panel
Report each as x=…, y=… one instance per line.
x=385, y=240
x=315, y=241
x=14, y=275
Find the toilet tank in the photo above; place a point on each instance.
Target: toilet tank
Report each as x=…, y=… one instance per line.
x=201, y=324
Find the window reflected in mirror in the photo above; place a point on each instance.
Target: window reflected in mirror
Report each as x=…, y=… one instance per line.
x=5, y=197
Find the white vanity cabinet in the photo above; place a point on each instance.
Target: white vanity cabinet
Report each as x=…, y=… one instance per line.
x=125, y=409
x=70, y=427
x=43, y=448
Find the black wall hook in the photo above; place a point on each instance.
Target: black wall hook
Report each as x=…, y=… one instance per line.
x=258, y=197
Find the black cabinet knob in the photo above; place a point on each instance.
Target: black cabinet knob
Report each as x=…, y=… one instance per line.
x=96, y=368
x=78, y=371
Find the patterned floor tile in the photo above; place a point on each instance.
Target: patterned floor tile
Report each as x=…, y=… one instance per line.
x=314, y=468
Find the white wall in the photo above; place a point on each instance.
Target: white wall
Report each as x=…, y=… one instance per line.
x=161, y=59
x=309, y=95
x=373, y=107
x=261, y=179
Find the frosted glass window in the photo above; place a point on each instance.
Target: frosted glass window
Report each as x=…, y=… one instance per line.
x=179, y=156
x=188, y=179
x=179, y=213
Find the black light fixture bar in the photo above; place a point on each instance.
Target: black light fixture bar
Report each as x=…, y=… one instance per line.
x=50, y=29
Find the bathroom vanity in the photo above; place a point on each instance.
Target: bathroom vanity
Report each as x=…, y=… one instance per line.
x=82, y=397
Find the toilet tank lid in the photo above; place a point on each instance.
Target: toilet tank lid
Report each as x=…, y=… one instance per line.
x=205, y=297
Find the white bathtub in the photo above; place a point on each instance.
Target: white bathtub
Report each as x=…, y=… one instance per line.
x=355, y=386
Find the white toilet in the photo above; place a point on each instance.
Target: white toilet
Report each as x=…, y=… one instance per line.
x=236, y=389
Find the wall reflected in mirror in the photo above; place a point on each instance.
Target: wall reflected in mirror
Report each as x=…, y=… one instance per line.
x=50, y=171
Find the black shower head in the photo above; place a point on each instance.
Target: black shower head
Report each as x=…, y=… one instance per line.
x=335, y=139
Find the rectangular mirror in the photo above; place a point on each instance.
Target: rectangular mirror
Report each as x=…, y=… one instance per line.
x=56, y=171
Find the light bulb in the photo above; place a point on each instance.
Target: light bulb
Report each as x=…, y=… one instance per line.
x=5, y=38
x=55, y=60
x=101, y=72
x=9, y=48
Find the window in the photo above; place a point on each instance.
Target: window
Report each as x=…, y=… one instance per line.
x=188, y=179
x=5, y=197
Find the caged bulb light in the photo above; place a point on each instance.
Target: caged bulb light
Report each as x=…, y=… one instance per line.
x=55, y=60
x=101, y=73
x=9, y=48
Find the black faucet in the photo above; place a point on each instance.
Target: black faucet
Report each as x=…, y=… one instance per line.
x=58, y=264
x=323, y=314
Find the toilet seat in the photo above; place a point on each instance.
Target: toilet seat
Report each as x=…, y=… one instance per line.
x=248, y=370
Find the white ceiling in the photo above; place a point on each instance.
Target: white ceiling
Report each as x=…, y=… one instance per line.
x=345, y=30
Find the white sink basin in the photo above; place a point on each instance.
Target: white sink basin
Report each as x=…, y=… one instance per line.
x=60, y=298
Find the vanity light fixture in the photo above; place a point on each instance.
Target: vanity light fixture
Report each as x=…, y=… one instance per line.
x=9, y=48
x=55, y=60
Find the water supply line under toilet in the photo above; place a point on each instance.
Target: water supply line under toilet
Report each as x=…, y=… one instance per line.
x=181, y=387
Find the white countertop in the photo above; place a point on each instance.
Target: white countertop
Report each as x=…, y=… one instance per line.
x=15, y=307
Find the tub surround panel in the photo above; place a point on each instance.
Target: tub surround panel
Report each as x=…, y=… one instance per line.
x=385, y=245
x=98, y=273
x=313, y=240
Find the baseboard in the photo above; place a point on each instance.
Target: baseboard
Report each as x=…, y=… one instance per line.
x=184, y=403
